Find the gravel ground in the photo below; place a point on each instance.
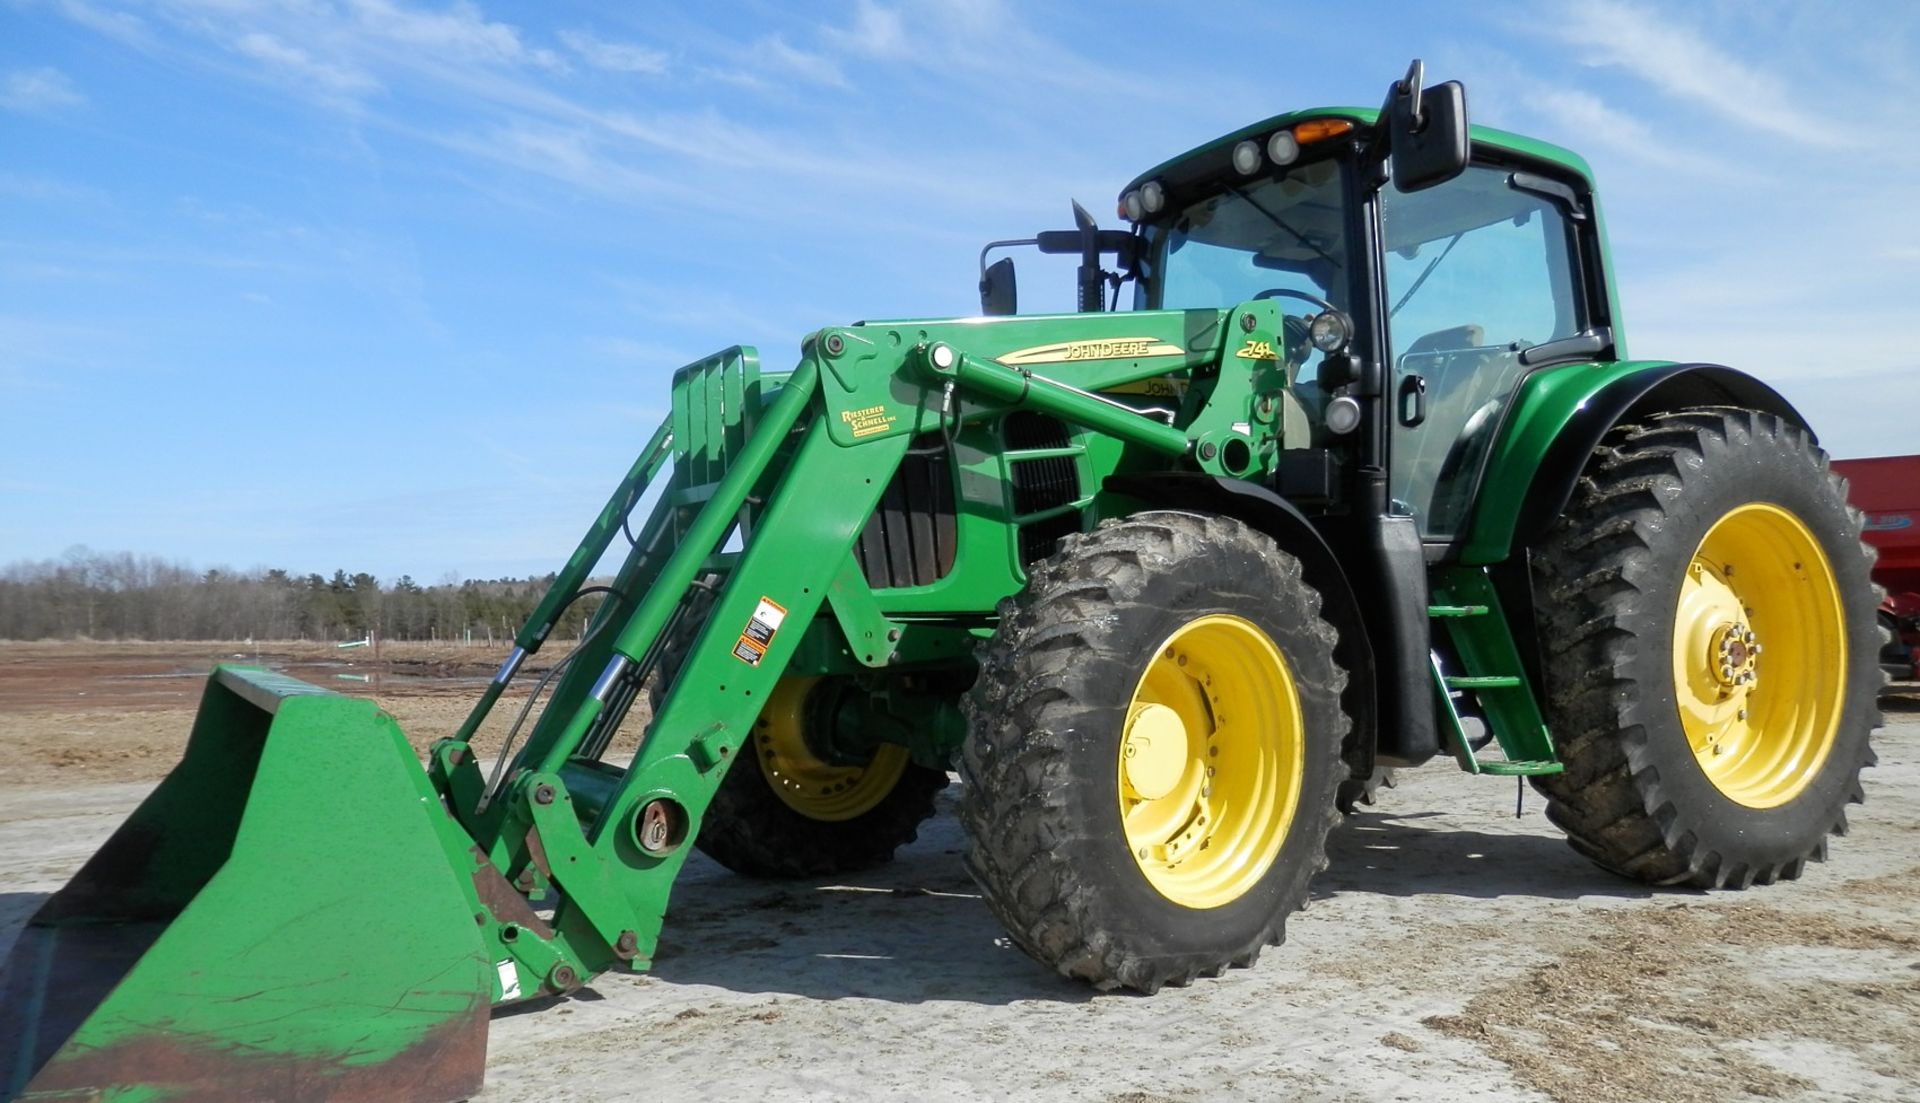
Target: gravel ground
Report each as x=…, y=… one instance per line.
x=1452, y=952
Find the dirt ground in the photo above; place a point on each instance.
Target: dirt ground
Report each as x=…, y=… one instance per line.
x=1452, y=951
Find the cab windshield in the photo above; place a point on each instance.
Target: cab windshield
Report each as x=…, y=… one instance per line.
x=1251, y=240
x=1254, y=237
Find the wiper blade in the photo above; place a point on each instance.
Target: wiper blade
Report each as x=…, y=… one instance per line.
x=1428, y=271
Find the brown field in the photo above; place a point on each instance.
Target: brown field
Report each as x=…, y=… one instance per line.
x=80, y=711
x=1452, y=951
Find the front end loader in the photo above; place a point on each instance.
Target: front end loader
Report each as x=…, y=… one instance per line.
x=1365, y=476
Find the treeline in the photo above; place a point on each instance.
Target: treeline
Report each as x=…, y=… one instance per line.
x=100, y=595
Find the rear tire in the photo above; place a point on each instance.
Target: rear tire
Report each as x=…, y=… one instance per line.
x=1355, y=791
x=1690, y=757
x=1100, y=835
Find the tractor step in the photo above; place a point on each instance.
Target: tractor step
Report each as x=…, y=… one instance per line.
x=1520, y=769
x=1466, y=611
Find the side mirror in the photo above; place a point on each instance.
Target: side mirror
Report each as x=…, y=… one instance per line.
x=1426, y=131
x=997, y=293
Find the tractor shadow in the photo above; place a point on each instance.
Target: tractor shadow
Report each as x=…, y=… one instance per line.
x=1900, y=697
x=916, y=930
x=15, y=909
x=911, y=931
x=1413, y=855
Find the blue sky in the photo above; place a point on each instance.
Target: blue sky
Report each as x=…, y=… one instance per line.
x=396, y=286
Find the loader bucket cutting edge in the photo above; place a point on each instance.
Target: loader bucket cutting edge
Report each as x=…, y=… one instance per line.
x=279, y=919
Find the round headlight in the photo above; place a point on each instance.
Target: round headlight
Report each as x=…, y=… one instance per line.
x=1343, y=414
x=1282, y=148
x=1330, y=331
x=1246, y=158
x=1153, y=196
x=1131, y=206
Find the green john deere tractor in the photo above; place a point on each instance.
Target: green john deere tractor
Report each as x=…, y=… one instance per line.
x=1364, y=476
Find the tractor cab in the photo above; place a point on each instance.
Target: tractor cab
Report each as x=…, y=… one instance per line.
x=1423, y=267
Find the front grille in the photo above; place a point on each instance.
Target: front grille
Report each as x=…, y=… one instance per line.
x=910, y=539
x=1023, y=429
x=1042, y=483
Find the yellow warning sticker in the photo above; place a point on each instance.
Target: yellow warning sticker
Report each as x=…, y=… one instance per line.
x=761, y=628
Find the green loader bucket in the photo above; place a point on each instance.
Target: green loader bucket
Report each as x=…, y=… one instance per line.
x=280, y=919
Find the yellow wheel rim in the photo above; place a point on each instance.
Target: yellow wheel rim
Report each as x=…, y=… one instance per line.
x=817, y=790
x=1759, y=655
x=1211, y=762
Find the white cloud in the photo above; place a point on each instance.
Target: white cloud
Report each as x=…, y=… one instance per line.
x=47, y=190
x=875, y=32
x=39, y=91
x=616, y=57
x=810, y=67
x=458, y=33
x=969, y=41
x=297, y=65
x=1684, y=65
x=1598, y=124
x=124, y=26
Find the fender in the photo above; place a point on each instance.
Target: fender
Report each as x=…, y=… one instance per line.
x=1268, y=512
x=1561, y=414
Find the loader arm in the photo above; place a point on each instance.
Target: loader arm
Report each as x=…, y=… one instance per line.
x=790, y=468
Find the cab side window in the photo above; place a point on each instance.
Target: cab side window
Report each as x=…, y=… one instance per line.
x=1477, y=272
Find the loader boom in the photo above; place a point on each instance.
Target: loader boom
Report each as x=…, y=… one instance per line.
x=805, y=457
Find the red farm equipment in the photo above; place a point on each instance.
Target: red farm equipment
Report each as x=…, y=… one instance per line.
x=1887, y=490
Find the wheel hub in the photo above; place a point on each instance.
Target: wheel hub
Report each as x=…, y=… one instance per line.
x=1733, y=655
x=1155, y=750
x=1759, y=572
x=804, y=782
x=1212, y=761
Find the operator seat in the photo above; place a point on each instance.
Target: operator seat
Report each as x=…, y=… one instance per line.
x=1447, y=359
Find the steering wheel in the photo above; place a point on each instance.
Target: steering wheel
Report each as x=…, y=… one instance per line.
x=1298, y=339
x=1290, y=293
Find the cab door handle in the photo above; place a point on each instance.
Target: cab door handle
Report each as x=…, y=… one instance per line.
x=1410, y=402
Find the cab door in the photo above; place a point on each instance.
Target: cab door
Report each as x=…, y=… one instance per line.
x=1478, y=270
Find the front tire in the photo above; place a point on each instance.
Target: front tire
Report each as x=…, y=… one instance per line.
x=1153, y=749
x=1710, y=652
x=781, y=812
